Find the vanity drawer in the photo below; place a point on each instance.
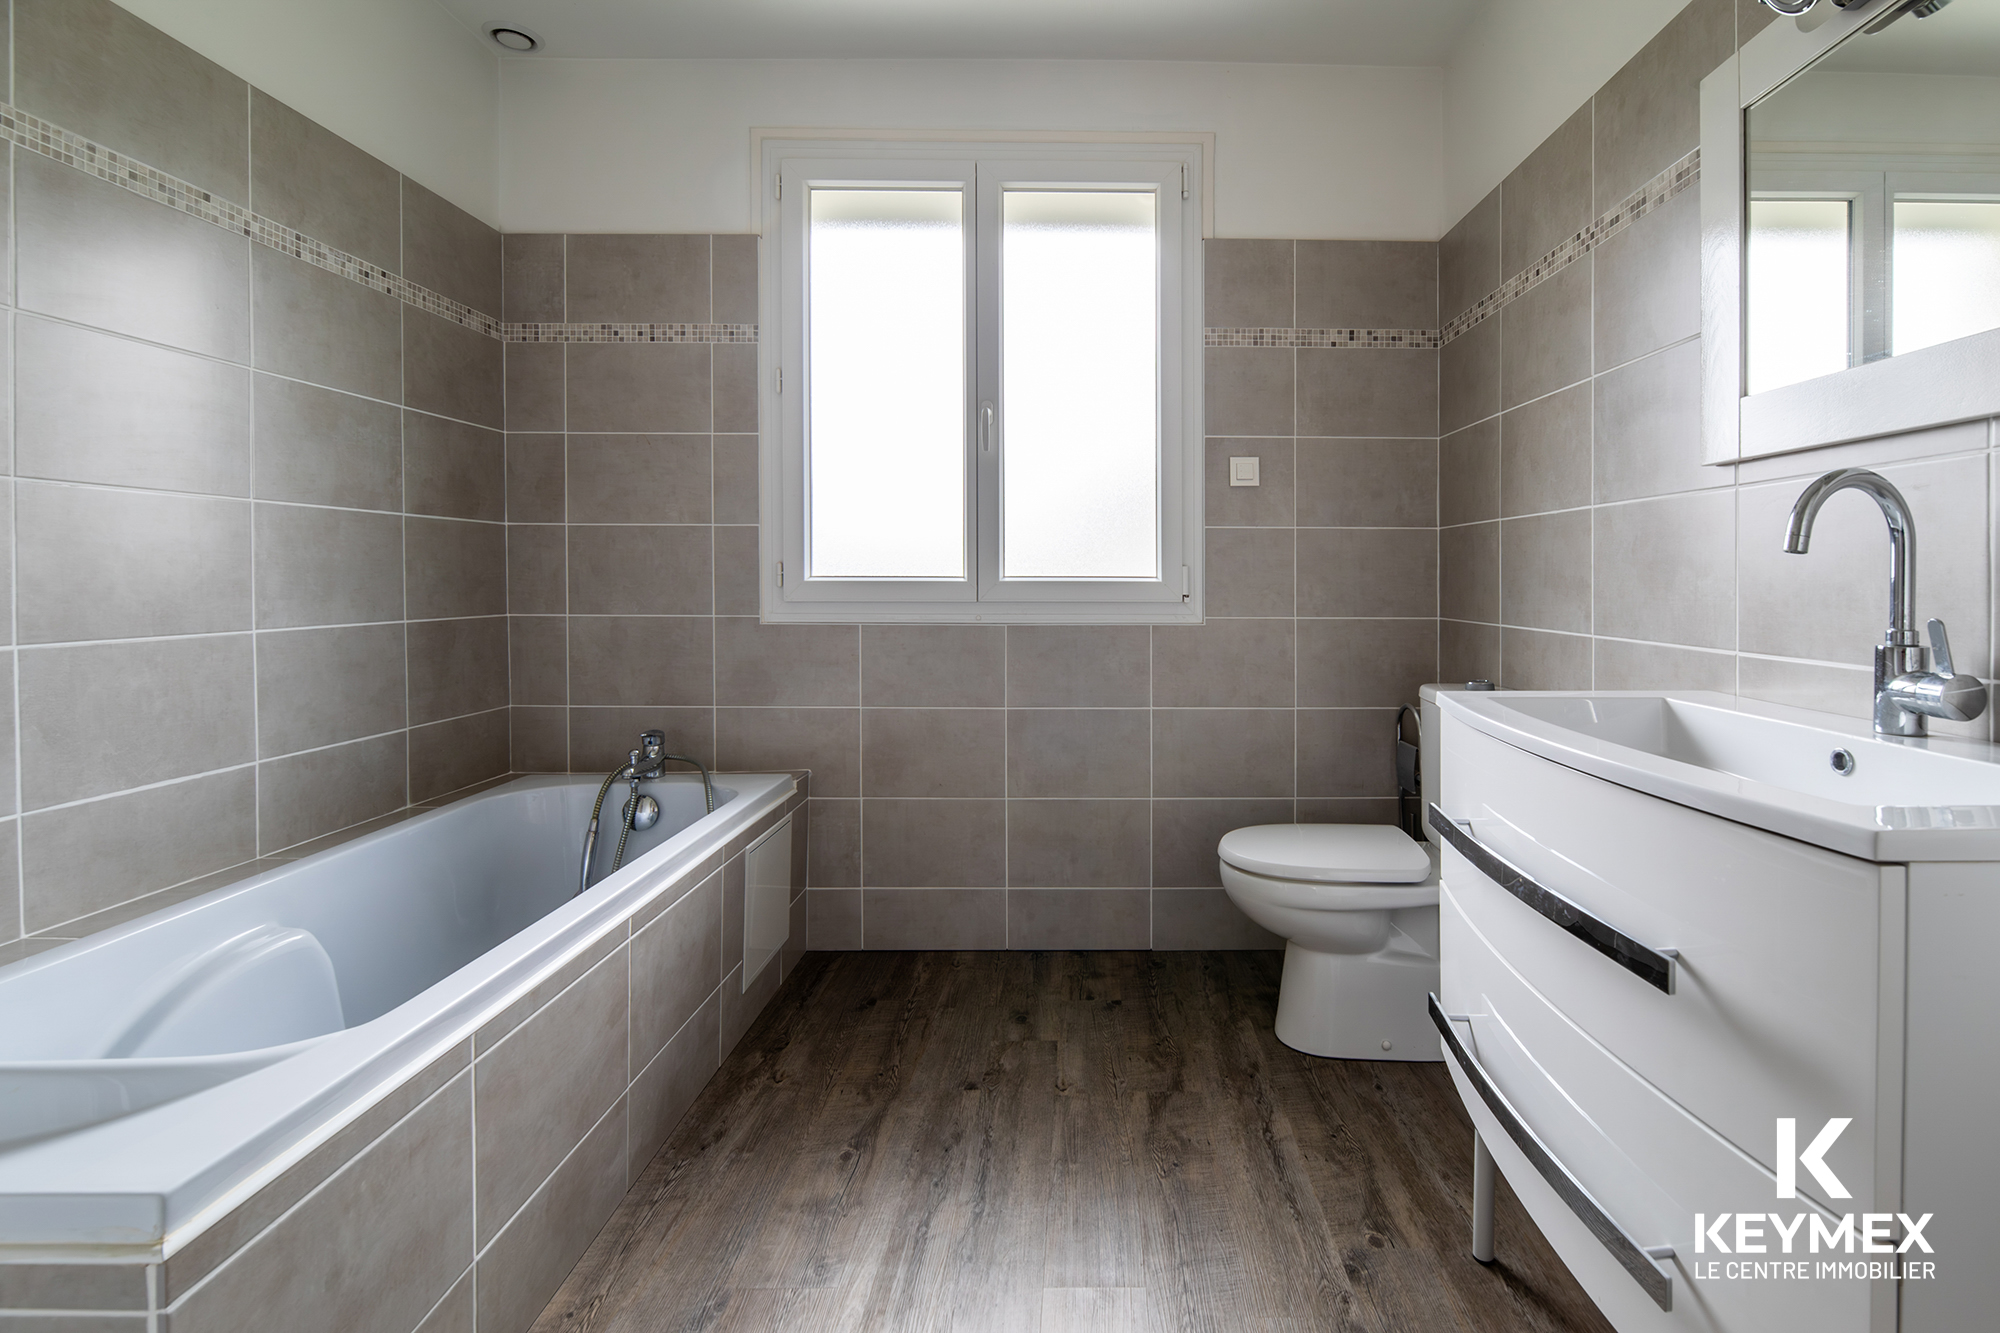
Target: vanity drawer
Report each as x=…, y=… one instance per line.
x=1777, y=984
x=1649, y=1165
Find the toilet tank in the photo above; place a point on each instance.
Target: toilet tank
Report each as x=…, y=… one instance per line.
x=1430, y=763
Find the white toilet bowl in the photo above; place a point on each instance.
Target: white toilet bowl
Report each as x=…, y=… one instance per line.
x=1357, y=905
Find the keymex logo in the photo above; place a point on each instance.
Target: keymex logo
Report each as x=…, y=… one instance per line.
x=1810, y=1232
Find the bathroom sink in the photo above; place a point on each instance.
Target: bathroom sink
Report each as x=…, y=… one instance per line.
x=1823, y=779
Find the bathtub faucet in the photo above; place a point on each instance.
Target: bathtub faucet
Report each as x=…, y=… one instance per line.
x=647, y=763
x=650, y=760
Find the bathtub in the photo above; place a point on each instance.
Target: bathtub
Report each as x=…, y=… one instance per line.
x=158, y=1077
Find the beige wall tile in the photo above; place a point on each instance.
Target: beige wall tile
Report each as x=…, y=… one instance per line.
x=452, y=470
x=317, y=446
x=1346, y=752
x=1079, y=752
x=933, y=919
x=1469, y=376
x=314, y=181
x=1469, y=572
x=304, y=796
x=733, y=279
x=534, y=376
x=322, y=686
x=1545, y=337
x=933, y=666
x=1249, y=572
x=1620, y=665
x=155, y=564
x=1365, y=663
x=1545, y=454
x=948, y=844
x=1688, y=598
x=375, y=1248
x=663, y=1090
x=1205, y=919
x=452, y=371
x=835, y=915
x=1648, y=283
x=521, y=1271
x=454, y=568
x=1070, y=918
x=1080, y=845
x=1249, y=390
x=537, y=570
x=1267, y=504
x=825, y=740
x=1468, y=652
x=1546, y=199
x=1647, y=439
x=638, y=479
x=457, y=667
x=1079, y=666
x=1245, y=663
x=538, y=1093
x=641, y=571
x=813, y=665
x=1367, y=391
x=600, y=738
x=635, y=661
x=638, y=387
x=648, y=279
x=319, y=327
x=538, y=655
x=1533, y=660
x=1367, y=483
x=1185, y=834
x=1368, y=571
x=1649, y=114
x=1367, y=285
x=1545, y=571
x=450, y=756
x=735, y=463
x=95, y=408
x=933, y=752
x=328, y=566
x=450, y=251
x=1247, y=284
x=531, y=278
x=1469, y=474
x=539, y=740
x=676, y=966
x=834, y=836
x=1222, y=752
x=1469, y=259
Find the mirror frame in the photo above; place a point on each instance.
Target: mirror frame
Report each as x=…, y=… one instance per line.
x=1932, y=386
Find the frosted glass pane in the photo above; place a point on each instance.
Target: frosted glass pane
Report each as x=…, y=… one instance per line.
x=885, y=384
x=1796, y=291
x=1946, y=271
x=1080, y=374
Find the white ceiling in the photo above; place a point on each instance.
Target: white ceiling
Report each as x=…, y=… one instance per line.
x=1330, y=32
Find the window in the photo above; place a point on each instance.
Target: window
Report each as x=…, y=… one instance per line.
x=982, y=382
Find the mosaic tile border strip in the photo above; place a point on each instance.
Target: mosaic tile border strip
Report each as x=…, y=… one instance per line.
x=93, y=159
x=1655, y=193
x=1425, y=340
x=629, y=333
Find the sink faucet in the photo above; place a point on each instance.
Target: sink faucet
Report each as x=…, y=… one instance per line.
x=1905, y=693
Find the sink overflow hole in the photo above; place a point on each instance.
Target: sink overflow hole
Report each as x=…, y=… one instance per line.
x=1843, y=763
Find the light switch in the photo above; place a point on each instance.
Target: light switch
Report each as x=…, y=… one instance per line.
x=1244, y=472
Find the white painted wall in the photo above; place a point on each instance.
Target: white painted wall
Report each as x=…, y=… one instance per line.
x=1310, y=151
x=402, y=79
x=1523, y=67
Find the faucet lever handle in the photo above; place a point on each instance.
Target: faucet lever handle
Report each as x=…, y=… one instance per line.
x=1940, y=648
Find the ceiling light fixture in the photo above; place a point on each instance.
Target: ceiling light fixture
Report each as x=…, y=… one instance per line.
x=513, y=38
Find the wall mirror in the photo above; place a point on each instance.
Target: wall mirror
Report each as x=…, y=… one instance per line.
x=1851, y=220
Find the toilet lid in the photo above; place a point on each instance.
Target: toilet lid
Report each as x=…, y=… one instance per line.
x=1328, y=853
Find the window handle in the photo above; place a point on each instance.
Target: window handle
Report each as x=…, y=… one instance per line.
x=986, y=423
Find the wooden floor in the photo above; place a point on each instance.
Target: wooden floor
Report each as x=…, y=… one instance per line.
x=1056, y=1141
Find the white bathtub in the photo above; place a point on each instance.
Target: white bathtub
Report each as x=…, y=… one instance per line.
x=154, y=1076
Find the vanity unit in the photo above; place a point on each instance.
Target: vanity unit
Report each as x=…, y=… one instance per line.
x=1673, y=922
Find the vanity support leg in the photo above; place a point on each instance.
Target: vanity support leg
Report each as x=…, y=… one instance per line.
x=1482, y=1200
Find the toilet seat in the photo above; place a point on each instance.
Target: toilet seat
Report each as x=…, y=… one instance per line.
x=1329, y=853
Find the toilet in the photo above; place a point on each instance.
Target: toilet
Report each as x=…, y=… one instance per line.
x=1357, y=905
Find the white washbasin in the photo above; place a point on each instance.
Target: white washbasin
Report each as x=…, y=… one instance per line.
x=1767, y=765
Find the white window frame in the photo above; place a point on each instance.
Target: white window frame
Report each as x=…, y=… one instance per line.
x=788, y=168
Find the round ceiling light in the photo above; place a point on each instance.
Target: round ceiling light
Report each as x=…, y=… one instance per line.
x=512, y=37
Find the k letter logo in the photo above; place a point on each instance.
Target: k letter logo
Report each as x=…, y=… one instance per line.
x=1813, y=1158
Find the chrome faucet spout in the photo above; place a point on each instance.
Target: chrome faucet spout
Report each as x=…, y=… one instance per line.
x=1902, y=631
x=1905, y=693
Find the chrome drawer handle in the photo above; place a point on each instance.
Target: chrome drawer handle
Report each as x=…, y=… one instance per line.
x=1644, y=1263
x=1658, y=968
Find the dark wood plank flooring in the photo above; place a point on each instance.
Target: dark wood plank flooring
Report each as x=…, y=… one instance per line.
x=1057, y=1141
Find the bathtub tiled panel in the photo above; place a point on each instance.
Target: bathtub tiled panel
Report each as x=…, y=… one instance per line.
x=1584, y=544
x=221, y=492
x=409, y=1219
x=981, y=786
